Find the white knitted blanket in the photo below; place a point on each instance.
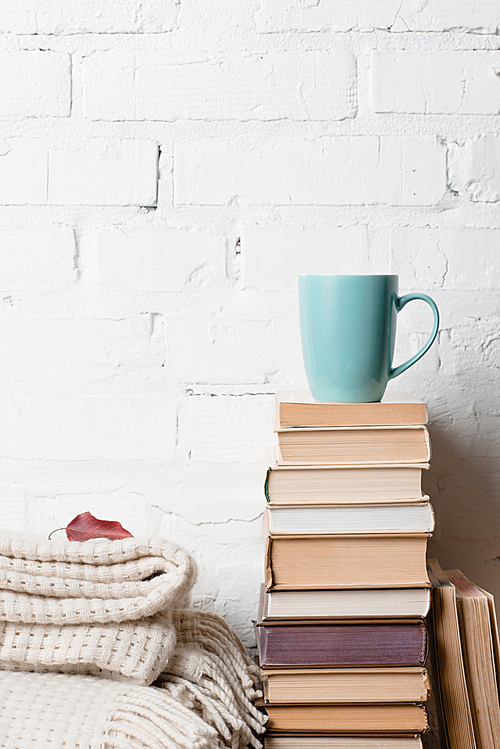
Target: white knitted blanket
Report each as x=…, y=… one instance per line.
x=113, y=609
x=204, y=703
x=100, y=607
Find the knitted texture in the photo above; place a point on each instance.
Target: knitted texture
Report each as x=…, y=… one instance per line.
x=99, y=607
x=203, y=702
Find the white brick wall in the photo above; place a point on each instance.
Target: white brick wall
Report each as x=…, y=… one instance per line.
x=167, y=169
x=436, y=82
x=156, y=86
x=361, y=170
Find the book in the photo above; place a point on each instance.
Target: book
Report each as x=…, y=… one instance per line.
x=279, y=606
x=347, y=718
x=344, y=484
x=449, y=660
x=317, y=561
x=476, y=635
x=301, y=410
x=345, y=685
x=342, y=644
x=373, y=444
x=290, y=741
x=406, y=518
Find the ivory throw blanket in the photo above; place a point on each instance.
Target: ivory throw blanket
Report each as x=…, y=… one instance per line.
x=114, y=609
x=99, y=607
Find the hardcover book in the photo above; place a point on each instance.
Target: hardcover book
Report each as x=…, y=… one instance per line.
x=342, y=644
x=374, y=444
x=347, y=718
x=407, y=518
x=279, y=606
x=291, y=741
x=345, y=685
x=344, y=484
x=301, y=410
x=365, y=561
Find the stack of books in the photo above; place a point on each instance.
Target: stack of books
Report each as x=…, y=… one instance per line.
x=340, y=632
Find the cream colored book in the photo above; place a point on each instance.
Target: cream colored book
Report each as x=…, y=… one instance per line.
x=384, y=717
x=278, y=605
x=318, y=685
x=344, y=484
x=478, y=649
x=450, y=662
x=372, y=444
x=407, y=518
x=288, y=741
x=316, y=561
x=299, y=409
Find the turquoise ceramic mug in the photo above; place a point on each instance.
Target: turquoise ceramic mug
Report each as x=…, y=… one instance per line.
x=348, y=331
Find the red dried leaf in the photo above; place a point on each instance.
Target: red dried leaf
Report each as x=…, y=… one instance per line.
x=86, y=526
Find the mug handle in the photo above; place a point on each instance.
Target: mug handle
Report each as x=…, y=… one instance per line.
x=402, y=301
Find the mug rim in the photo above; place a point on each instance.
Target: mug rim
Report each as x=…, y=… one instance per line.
x=348, y=275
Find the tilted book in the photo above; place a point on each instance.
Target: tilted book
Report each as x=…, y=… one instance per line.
x=316, y=561
x=372, y=444
x=299, y=409
x=342, y=644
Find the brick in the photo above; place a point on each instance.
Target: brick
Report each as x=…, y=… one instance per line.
x=124, y=173
x=156, y=259
x=98, y=172
x=429, y=258
x=273, y=256
x=392, y=15
x=227, y=349
x=359, y=170
x=80, y=16
x=89, y=428
x=35, y=84
x=36, y=258
x=23, y=171
x=436, y=82
x=170, y=86
x=14, y=509
x=79, y=349
x=227, y=429
x=474, y=169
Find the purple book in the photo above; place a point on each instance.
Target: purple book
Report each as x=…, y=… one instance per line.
x=346, y=644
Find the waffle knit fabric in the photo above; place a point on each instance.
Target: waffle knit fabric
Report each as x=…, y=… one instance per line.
x=115, y=610
x=204, y=702
x=100, y=607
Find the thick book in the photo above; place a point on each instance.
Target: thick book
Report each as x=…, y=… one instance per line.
x=344, y=484
x=281, y=606
x=318, y=741
x=406, y=518
x=342, y=644
x=353, y=445
x=450, y=662
x=396, y=408
x=316, y=685
x=478, y=647
x=357, y=718
x=316, y=561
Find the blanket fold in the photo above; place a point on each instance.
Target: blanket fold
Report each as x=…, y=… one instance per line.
x=116, y=610
x=99, y=607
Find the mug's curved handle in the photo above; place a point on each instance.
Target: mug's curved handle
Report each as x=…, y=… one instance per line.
x=401, y=301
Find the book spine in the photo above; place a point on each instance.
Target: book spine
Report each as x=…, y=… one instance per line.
x=266, y=485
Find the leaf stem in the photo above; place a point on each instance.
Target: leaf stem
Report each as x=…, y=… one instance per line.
x=55, y=531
